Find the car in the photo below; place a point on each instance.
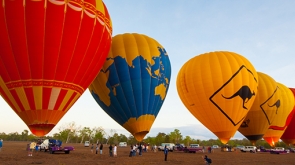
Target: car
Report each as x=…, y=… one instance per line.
x=170, y=146
x=123, y=144
x=215, y=146
x=194, y=145
x=251, y=149
x=239, y=147
x=292, y=150
x=86, y=143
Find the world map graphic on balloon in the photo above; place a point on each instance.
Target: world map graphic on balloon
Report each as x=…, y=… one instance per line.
x=153, y=75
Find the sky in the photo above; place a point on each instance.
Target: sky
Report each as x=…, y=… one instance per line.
x=262, y=31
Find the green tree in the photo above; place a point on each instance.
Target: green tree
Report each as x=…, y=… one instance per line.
x=160, y=138
x=175, y=136
x=84, y=133
x=99, y=134
x=187, y=140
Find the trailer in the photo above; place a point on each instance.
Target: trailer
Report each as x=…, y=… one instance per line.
x=53, y=146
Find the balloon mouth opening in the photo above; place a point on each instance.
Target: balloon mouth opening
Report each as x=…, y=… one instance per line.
x=140, y=135
x=41, y=129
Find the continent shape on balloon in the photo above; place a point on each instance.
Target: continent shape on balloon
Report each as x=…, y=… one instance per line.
x=133, y=83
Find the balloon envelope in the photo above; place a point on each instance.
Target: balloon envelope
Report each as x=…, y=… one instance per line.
x=218, y=88
x=263, y=110
x=133, y=83
x=50, y=51
x=289, y=135
x=283, y=116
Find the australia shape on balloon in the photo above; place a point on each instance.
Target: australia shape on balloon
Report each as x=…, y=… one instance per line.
x=133, y=83
x=47, y=54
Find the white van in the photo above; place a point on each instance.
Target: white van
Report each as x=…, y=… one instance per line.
x=249, y=149
x=170, y=146
x=123, y=144
x=86, y=143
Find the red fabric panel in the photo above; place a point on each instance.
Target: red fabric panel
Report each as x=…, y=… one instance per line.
x=30, y=97
x=14, y=12
x=35, y=22
x=46, y=97
x=53, y=34
x=98, y=60
x=17, y=100
x=83, y=39
x=60, y=98
x=69, y=39
x=6, y=55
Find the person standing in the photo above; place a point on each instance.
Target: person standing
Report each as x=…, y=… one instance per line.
x=166, y=152
x=32, y=148
x=96, y=149
x=100, y=148
x=131, y=151
x=92, y=149
x=28, y=149
x=111, y=150
x=1, y=144
x=115, y=151
x=140, y=149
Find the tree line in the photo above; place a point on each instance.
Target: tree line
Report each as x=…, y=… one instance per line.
x=71, y=133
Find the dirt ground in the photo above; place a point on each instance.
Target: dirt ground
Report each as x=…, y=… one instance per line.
x=14, y=153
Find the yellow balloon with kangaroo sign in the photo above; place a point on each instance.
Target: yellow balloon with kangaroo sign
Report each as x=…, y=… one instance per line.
x=218, y=88
x=263, y=110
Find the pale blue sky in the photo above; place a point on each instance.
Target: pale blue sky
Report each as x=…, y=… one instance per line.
x=263, y=31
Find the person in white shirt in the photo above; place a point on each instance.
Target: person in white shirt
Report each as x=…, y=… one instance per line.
x=115, y=150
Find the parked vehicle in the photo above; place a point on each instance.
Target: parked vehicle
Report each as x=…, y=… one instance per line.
x=239, y=147
x=292, y=150
x=170, y=146
x=123, y=144
x=53, y=145
x=215, y=146
x=193, y=148
x=179, y=147
x=86, y=143
x=251, y=149
x=279, y=150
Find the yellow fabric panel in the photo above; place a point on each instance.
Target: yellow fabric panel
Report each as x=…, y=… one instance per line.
x=66, y=99
x=53, y=97
x=278, y=126
x=136, y=44
x=99, y=6
x=140, y=127
x=100, y=89
x=37, y=92
x=23, y=97
x=72, y=102
x=204, y=81
x=8, y=94
x=261, y=114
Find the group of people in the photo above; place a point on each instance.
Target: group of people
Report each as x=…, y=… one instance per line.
x=138, y=148
x=112, y=150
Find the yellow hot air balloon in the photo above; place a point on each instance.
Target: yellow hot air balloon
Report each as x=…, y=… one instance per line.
x=282, y=116
x=261, y=113
x=218, y=88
